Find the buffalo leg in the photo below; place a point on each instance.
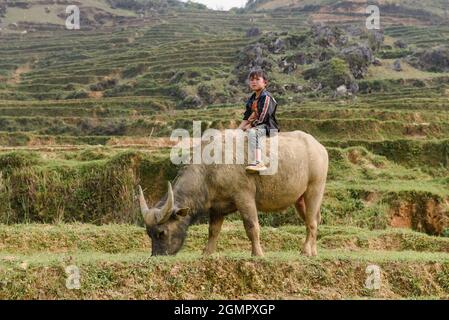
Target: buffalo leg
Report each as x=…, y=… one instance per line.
x=313, y=198
x=300, y=206
x=248, y=211
x=215, y=223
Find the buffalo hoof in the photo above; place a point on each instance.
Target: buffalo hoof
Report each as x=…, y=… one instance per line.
x=207, y=252
x=258, y=254
x=308, y=251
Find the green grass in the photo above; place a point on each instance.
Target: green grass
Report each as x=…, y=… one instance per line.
x=115, y=263
x=386, y=72
x=33, y=239
x=73, y=163
x=96, y=184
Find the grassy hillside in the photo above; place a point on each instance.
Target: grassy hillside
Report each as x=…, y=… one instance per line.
x=37, y=15
x=418, y=11
x=82, y=124
x=86, y=115
x=115, y=265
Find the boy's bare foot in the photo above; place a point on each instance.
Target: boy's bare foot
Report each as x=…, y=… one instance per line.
x=257, y=167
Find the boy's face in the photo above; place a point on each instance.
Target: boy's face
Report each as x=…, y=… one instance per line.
x=257, y=83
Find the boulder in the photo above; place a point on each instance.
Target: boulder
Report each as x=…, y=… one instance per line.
x=353, y=87
x=192, y=101
x=376, y=39
x=250, y=58
x=359, y=58
x=377, y=62
x=287, y=67
x=277, y=46
x=253, y=32
x=341, y=90
x=434, y=59
x=397, y=65
x=327, y=36
x=400, y=44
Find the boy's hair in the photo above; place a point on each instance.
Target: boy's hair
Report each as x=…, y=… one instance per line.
x=259, y=73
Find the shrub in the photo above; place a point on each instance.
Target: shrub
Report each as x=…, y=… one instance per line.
x=80, y=94
x=331, y=74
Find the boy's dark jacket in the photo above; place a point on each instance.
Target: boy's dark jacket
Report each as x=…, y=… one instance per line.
x=266, y=108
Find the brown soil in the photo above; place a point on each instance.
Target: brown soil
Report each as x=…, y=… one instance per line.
x=416, y=130
x=417, y=117
x=142, y=141
x=424, y=215
x=36, y=141
x=354, y=156
x=371, y=197
x=15, y=78
x=402, y=216
x=96, y=94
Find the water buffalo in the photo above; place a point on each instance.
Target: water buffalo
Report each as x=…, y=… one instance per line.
x=218, y=190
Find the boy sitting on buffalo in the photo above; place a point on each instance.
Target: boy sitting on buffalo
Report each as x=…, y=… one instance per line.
x=259, y=117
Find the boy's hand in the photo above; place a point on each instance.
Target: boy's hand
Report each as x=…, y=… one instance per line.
x=244, y=125
x=255, y=122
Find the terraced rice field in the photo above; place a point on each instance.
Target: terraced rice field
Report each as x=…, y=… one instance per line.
x=69, y=168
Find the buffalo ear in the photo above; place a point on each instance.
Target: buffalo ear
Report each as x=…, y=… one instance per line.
x=182, y=212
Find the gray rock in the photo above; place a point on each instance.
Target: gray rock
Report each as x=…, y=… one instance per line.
x=341, y=90
x=354, y=87
x=293, y=87
x=277, y=46
x=400, y=44
x=287, y=67
x=301, y=58
x=354, y=30
x=434, y=60
x=397, y=65
x=329, y=35
x=298, y=89
x=253, y=32
x=376, y=39
x=359, y=58
x=377, y=62
x=192, y=102
x=250, y=58
x=318, y=87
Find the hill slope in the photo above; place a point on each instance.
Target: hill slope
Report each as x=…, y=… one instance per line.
x=86, y=115
x=51, y=14
x=396, y=11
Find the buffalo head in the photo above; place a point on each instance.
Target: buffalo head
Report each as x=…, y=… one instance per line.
x=166, y=224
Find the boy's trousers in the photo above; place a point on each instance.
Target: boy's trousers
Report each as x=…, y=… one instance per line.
x=255, y=134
